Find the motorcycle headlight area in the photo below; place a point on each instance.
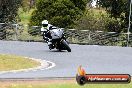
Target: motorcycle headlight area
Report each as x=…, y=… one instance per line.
x=54, y=35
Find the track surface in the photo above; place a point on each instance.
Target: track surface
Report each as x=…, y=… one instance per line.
x=94, y=59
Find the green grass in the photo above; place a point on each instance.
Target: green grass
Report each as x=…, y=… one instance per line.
x=13, y=62
x=70, y=85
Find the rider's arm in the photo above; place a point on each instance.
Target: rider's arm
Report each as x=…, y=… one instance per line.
x=43, y=29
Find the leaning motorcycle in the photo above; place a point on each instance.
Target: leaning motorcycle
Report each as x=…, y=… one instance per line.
x=58, y=39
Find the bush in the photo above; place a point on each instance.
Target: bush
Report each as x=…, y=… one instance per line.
x=27, y=5
x=95, y=19
x=113, y=24
x=61, y=13
x=8, y=10
x=92, y=19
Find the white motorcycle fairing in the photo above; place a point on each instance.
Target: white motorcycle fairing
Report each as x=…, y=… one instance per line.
x=56, y=33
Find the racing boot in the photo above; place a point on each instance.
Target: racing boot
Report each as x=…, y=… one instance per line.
x=50, y=44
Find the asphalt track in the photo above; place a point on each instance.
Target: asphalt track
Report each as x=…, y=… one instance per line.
x=93, y=58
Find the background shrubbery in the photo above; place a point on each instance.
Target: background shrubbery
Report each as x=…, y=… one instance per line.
x=112, y=15
x=97, y=19
x=8, y=10
x=109, y=16
x=61, y=13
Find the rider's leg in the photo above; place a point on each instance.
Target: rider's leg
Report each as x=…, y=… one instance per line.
x=47, y=37
x=50, y=44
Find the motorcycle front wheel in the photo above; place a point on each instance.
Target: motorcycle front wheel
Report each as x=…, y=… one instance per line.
x=66, y=45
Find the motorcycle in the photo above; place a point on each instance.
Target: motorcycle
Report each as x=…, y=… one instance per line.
x=58, y=39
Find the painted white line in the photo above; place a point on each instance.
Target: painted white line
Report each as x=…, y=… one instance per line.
x=51, y=65
x=44, y=65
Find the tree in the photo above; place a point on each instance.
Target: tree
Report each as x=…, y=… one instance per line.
x=8, y=10
x=28, y=4
x=61, y=13
x=94, y=19
x=119, y=9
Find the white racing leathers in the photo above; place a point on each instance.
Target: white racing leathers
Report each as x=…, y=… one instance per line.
x=46, y=35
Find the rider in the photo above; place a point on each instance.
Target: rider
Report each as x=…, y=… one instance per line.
x=46, y=34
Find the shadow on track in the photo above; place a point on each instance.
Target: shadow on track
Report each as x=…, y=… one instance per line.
x=56, y=51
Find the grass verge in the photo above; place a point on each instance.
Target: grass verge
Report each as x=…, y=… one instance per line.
x=13, y=62
x=58, y=84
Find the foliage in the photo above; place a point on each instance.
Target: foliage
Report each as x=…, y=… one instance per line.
x=95, y=19
x=27, y=5
x=113, y=25
x=8, y=10
x=24, y=16
x=61, y=13
x=89, y=21
x=117, y=9
x=98, y=19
